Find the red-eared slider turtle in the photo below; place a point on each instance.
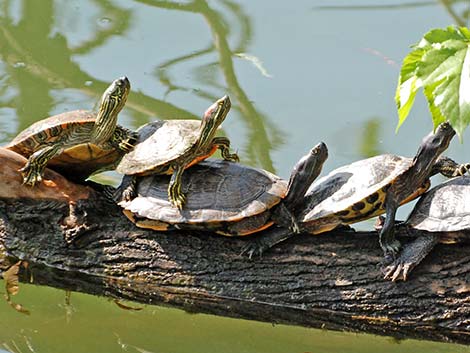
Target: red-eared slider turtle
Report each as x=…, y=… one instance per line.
x=224, y=197
x=171, y=146
x=367, y=188
x=77, y=143
x=442, y=215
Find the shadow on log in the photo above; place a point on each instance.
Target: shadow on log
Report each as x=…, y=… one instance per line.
x=331, y=281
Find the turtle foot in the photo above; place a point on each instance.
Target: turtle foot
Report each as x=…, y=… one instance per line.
x=231, y=157
x=127, y=145
x=411, y=255
x=295, y=227
x=462, y=169
x=31, y=175
x=128, y=194
x=398, y=269
x=254, y=248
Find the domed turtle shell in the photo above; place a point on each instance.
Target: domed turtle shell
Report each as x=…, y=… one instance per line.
x=444, y=208
x=159, y=143
x=356, y=191
x=77, y=162
x=225, y=197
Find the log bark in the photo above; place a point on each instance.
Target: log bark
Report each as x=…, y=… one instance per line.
x=331, y=281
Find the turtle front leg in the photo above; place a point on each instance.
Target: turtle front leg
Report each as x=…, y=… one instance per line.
x=34, y=169
x=283, y=216
x=411, y=255
x=257, y=245
x=123, y=139
x=223, y=144
x=389, y=244
x=175, y=195
x=449, y=168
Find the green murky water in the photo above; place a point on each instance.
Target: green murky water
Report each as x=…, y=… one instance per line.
x=297, y=73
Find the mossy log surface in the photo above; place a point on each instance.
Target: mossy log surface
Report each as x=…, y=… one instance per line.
x=331, y=281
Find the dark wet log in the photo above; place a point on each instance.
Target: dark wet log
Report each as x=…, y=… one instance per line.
x=330, y=281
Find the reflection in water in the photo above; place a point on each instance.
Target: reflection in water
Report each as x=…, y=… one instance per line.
x=47, y=62
x=370, y=139
x=12, y=286
x=260, y=141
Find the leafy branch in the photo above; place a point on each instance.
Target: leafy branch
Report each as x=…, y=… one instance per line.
x=440, y=64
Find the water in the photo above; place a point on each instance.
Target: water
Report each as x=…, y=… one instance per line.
x=84, y=323
x=297, y=75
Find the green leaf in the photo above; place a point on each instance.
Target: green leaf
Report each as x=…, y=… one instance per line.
x=440, y=63
x=408, y=84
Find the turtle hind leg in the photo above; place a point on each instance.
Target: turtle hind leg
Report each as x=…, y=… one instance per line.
x=257, y=245
x=127, y=191
x=34, y=169
x=449, y=168
x=175, y=195
x=223, y=144
x=411, y=255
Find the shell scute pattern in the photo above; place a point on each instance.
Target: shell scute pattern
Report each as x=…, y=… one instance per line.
x=167, y=139
x=346, y=190
x=48, y=130
x=217, y=191
x=444, y=208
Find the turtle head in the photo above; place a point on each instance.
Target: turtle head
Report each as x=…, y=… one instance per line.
x=435, y=143
x=112, y=102
x=212, y=118
x=440, y=139
x=429, y=151
x=307, y=169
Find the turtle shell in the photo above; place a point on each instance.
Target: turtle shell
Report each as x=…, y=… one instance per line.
x=218, y=192
x=357, y=186
x=77, y=162
x=51, y=129
x=444, y=208
x=160, y=143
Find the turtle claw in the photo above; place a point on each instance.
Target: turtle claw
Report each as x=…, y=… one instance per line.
x=295, y=228
x=233, y=157
x=399, y=269
x=126, y=145
x=31, y=176
x=252, y=249
x=462, y=169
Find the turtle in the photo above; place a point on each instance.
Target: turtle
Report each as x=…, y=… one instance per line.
x=224, y=197
x=442, y=215
x=368, y=188
x=77, y=143
x=171, y=146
